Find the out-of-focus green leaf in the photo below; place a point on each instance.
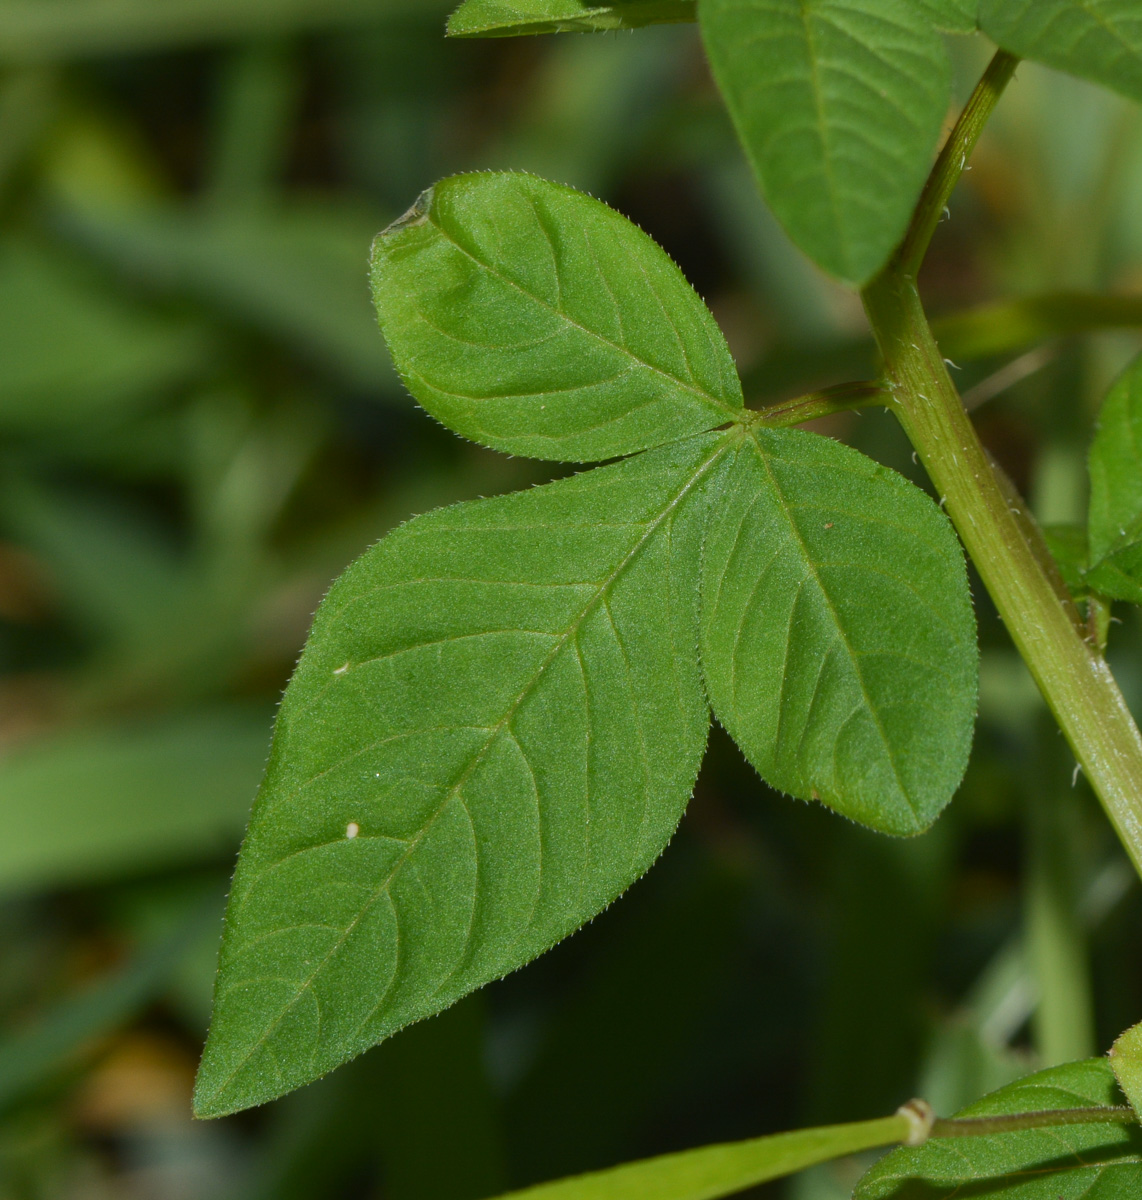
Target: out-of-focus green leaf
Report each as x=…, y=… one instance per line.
x=534, y=319
x=493, y=731
x=508, y=18
x=1068, y=545
x=74, y=352
x=42, y=30
x=99, y=802
x=955, y=16
x=1064, y=1162
x=839, y=104
x=1115, y=523
x=838, y=639
x=293, y=271
x=29, y=1057
x=1100, y=40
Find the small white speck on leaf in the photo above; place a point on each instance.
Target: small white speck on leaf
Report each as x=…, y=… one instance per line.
x=352, y=829
x=341, y=670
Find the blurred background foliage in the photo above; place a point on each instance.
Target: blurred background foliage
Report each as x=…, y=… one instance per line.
x=199, y=428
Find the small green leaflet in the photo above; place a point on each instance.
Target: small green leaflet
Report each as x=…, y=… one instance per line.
x=499, y=716
x=533, y=319
x=838, y=639
x=953, y=16
x=1068, y=546
x=1115, y=522
x=493, y=731
x=509, y=18
x=1100, y=40
x=839, y=105
x=1073, y=1162
x=1126, y=1059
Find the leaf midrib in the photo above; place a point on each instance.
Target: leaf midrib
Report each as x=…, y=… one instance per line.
x=454, y=789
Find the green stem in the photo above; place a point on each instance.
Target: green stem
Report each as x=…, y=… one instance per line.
x=1074, y=679
x=842, y=398
x=952, y=160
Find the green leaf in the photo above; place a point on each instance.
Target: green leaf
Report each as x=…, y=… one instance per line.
x=954, y=16
x=510, y=18
x=531, y=318
x=838, y=639
x=100, y=802
x=1069, y=548
x=1063, y=1162
x=713, y=1171
x=839, y=105
x=1115, y=521
x=1100, y=40
x=493, y=730
x=1126, y=1061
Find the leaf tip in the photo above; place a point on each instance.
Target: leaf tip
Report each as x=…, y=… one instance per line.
x=418, y=214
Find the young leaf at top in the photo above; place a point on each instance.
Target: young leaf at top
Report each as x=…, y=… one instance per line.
x=530, y=318
x=1126, y=1060
x=838, y=639
x=1063, y=1162
x=1100, y=40
x=509, y=18
x=839, y=105
x=953, y=16
x=1115, y=521
x=492, y=732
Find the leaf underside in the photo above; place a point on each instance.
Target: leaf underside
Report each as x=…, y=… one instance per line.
x=1100, y=40
x=1074, y=1162
x=1115, y=522
x=536, y=320
x=420, y=721
x=839, y=105
x=838, y=638
x=511, y=18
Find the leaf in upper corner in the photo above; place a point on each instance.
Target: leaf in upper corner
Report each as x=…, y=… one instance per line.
x=839, y=105
x=1115, y=521
x=953, y=16
x=510, y=18
x=1126, y=1061
x=533, y=319
x=1100, y=40
x=493, y=731
x=1064, y=1162
x=838, y=638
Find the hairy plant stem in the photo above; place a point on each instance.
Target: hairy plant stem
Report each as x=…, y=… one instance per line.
x=1071, y=674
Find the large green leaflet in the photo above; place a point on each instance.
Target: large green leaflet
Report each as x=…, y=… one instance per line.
x=1073, y=1162
x=493, y=731
x=1099, y=40
x=509, y=18
x=838, y=640
x=499, y=716
x=1115, y=523
x=839, y=105
x=536, y=320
